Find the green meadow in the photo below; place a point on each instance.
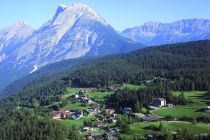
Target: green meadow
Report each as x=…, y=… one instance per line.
x=132, y=86
x=194, y=109
x=80, y=122
x=143, y=128
x=98, y=96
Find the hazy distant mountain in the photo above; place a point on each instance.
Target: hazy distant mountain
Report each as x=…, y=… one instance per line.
x=74, y=31
x=11, y=37
x=155, y=33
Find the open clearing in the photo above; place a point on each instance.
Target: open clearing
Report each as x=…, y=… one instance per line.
x=194, y=109
x=142, y=128
x=132, y=86
x=98, y=96
x=80, y=122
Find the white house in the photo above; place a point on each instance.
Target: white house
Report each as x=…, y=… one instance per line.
x=160, y=102
x=76, y=96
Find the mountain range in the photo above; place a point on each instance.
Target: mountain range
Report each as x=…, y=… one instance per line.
x=74, y=31
x=156, y=33
x=78, y=31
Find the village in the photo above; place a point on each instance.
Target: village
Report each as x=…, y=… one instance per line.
x=102, y=115
x=97, y=119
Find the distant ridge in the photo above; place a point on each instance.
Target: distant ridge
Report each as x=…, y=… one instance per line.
x=156, y=33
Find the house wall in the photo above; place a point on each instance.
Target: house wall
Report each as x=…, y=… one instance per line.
x=163, y=103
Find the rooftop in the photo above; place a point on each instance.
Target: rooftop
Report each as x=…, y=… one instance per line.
x=161, y=99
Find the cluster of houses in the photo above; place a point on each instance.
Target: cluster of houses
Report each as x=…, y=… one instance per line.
x=104, y=115
x=80, y=97
x=140, y=116
x=107, y=115
x=62, y=114
x=156, y=104
x=74, y=114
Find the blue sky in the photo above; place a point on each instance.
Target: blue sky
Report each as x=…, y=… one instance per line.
x=118, y=13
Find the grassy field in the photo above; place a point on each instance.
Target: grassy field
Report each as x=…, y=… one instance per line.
x=132, y=86
x=190, y=110
x=70, y=122
x=98, y=96
x=145, y=128
x=76, y=106
x=71, y=91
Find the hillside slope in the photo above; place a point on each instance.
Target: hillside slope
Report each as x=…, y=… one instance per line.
x=186, y=63
x=183, y=66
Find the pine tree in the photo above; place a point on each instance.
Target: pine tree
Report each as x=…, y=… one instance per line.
x=137, y=106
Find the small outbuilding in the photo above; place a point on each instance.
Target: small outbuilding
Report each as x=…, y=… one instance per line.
x=207, y=109
x=127, y=111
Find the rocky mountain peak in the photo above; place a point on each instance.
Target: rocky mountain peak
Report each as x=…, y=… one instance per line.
x=19, y=24
x=18, y=30
x=60, y=9
x=151, y=23
x=70, y=14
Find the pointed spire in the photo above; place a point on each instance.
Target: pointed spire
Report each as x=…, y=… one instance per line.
x=60, y=9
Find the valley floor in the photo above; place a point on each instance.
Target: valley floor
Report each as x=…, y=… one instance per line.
x=105, y=120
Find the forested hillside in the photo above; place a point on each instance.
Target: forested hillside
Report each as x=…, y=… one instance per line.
x=187, y=65
x=44, y=71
